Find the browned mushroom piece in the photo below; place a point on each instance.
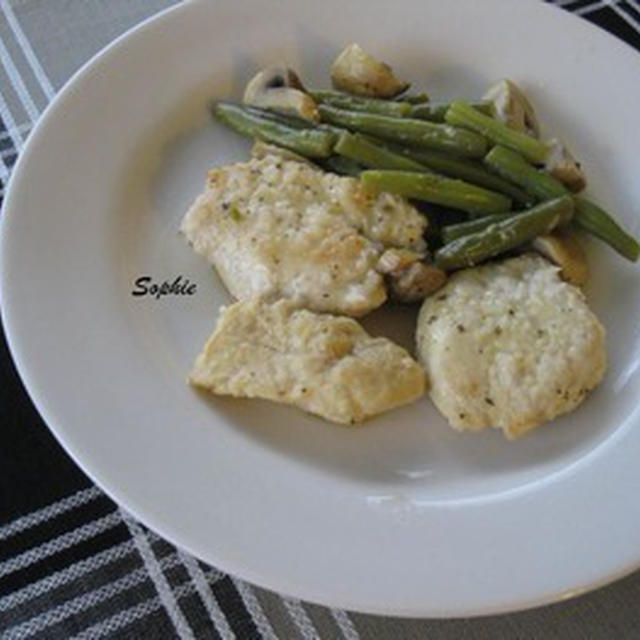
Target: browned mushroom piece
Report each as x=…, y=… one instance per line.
x=564, y=250
x=564, y=167
x=280, y=88
x=512, y=107
x=358, y=72
x=409, y=278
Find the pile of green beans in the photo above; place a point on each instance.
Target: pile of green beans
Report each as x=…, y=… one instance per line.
x=454, y=155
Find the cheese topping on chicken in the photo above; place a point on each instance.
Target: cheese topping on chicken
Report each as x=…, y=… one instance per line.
x=280, y=228
x=509, y=345
x=324, y=364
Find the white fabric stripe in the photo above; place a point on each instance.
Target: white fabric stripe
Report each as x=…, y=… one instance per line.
x=625, y=15
x=254, y=608
x=207, y=597
x=60, y=543
x=18, y=84
x=124, y=618
x=29, y=54
x=128, y=616
x=301, y=618
x=51, y=511
x=85, y=601
x=70, y=573
x=159, y=580
x=23, y=128
x=345, y=623
x=594, y=6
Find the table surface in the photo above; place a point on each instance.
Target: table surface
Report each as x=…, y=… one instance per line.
x=74, y=564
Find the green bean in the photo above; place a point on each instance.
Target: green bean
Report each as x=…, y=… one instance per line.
x=462, y=114
x=408, y=131
x=436, y=112
x=599, y=223
x=369, y=154
x=438, y=190
x=454, y=231
x=467, y=170
x=311, y=142
x=341, y=165
x=513, y=167
x=287, y=119
x=499, y=237
x=415, y=98
x=358, y=103
x=588, y=216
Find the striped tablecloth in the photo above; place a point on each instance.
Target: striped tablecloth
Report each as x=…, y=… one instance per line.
x=74, y=564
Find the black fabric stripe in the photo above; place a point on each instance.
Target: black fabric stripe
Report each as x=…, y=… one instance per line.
x=198, y=618
x=234, y=610
x=156, y=625
x=35, y=470
x=574, y=6
x=6, y=142
x=81, y=586
x=59, y=561
x=10, y=159
x=57, y=526
x=90, y=616
x=161, y=548
x=613, y=23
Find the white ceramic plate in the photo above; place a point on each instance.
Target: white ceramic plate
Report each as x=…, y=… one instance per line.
x=402, y=516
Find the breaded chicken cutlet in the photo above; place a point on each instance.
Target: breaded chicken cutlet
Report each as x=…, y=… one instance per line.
x=509, y=345
x=284, y=229
x=323, y=364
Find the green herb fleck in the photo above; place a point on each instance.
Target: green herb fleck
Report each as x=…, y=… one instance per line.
x=235, y=214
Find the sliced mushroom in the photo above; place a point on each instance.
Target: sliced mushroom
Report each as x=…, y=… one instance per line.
x=358, y=72
x=564, y=167
x=563, y=249
x=280, y=88
x=408, y=277
x=263, y=149
x=512, y=107
x=394, y=261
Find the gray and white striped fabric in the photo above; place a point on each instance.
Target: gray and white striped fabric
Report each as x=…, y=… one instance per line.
x=75, y=565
